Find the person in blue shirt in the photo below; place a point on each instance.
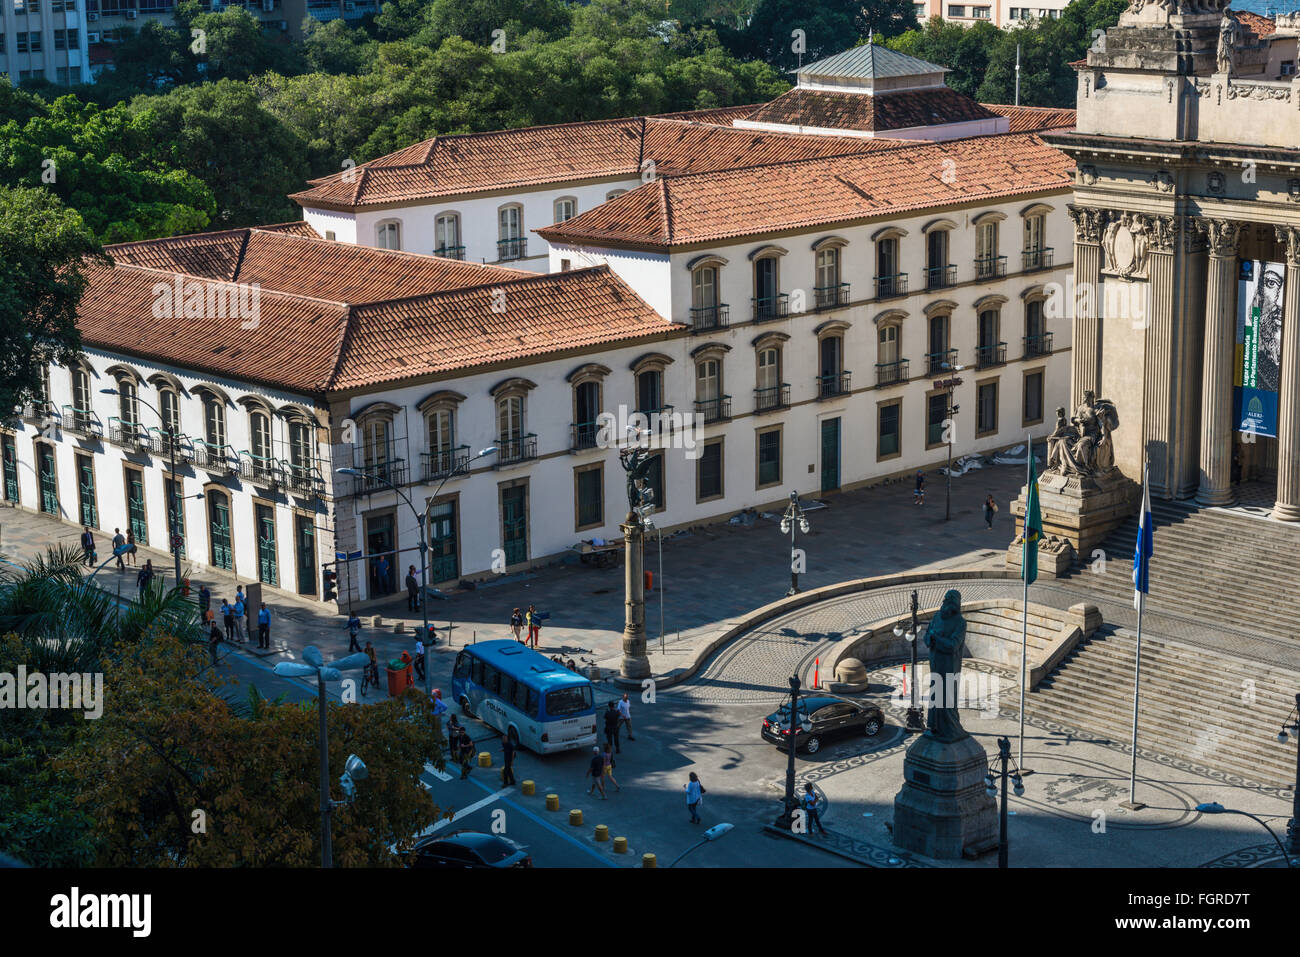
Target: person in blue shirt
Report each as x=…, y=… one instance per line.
x=264, y=627
x=354, y=630
x=241, y=631
x=812, y=805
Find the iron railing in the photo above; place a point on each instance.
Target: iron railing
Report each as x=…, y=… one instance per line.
x=1038, y=345
x=1037, y=258
x=887, y=287
x=583, y=435
x=220, y=459
x=990, y=267
x=378, y=476
x=774, y=397
x=704, y=318
x=832, y=384
x=519, y=449
x=771, y=307
x=450, y=252
x=261, y=469
x=714, y=410
x=994, y=354
x=81, y=422
x=127, y=435
x=939, y=277
x=937, y=363
x=891, y=373
x=827, y=297
x=438, y=465
x=512, y=248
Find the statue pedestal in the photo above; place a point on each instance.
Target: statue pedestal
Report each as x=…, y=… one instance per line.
x=943, y=810
x=1078, y=513
x=636, y=664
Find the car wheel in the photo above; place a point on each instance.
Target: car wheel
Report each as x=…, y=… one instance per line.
x=813, y=744
x=872, y=727
x=464, y=706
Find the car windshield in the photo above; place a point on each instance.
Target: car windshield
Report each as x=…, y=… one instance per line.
x=783, y=713
x=493, y=851
x=565, y=701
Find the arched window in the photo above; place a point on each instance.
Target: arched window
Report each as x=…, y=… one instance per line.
x=939, y=272
x=446, y=236
x=301, y=443
x=891, y=367
x=214, y=422
x=832, y=378
x=566, y=207
x=259, y=435
x=769, y=303
x=169, y=404
x=511, y=243
x=388, y=235
x=1035, y=252
x=514, y=442
x=128, y=405
x=648, y=373
x=510, y=418
x=890, y=279
x=81, y=401
x=988, y=263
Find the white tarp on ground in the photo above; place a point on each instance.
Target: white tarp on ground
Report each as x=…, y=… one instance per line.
x=965, y=464
x=1014, y=456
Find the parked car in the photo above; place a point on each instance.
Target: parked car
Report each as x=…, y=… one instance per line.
x=470, y=849
x=822, y=717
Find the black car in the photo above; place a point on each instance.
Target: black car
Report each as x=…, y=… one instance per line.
x=822, y=717
x=470, y=849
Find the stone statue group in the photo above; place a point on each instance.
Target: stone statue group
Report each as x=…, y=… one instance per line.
x=1082, y=445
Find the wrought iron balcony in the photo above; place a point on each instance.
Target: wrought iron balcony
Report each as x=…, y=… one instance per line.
x=939, y=277
x=260, y=469
x=990, y=267
x=38, y=411
x=450, y=252
x=887, y=287
x=937, y=363
x=833, y=384
x=303, y=478
x=714, y=410
x=704, y=318
x=1038, y=345
x=127, y=435
x=81, y=422
x=771, y=307
x=1037, y=258
x=378, y=476
x=160, y=443
x=828, y=297
x=583, y=435
x=439, y=465
x=512, y=248
x=994, y=354
x=775, y=397
x=521, y=449
x=891, y=373
x=218, y=459
x=664, y=415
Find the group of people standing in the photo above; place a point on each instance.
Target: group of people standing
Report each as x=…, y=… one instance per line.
x=234, y=617
x=532, y=620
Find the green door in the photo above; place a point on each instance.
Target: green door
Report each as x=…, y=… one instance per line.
x=135, y=506
x=49, y=483
x=266, y=565
x=830, y=454
x=219, y=530
x=11, y=469
x=86, y=492
x=175, y=519
x=443, y=563
x=304, y=537
x=514, y=523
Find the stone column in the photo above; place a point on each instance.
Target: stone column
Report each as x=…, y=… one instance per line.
x=635, y=662
x=1287, y=506
x=1216, y=371
x=1085, y=337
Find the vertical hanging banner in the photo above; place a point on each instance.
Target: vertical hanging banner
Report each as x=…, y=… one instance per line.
x=1260, y=290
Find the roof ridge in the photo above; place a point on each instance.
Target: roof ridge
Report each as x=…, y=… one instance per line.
x=531, y=278
x=264, y=290
x=379, y=250
x=341, y=345
x=666, y=209
x=239, y=257
x=158, y=240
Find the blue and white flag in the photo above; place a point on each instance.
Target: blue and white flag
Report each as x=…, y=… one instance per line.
x=1145, y=545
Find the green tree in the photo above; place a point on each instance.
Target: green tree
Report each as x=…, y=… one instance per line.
x=235, y=47
x=829, y=27
x=963, y=50
x=335, y=48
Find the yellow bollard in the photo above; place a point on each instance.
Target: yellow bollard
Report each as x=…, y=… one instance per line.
x=528, y=789
x=649, y=860
x=485, y=759
x=620, y=845
x=602, y=832
x=552, y=802
x=575, y=817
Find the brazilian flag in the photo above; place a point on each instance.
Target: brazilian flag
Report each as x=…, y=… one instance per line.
x=1033, y=527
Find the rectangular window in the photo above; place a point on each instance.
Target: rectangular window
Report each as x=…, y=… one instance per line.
x=565, y=209
x=22, y=44
x=708, y=482
x=769, y=457
x=1033, y=398
x=34, y=41
x=955, y=10
x=60, y=40
x=981, y=13
x=590, y=488
x=936, y=413
x=889, y=439
x=986, y=421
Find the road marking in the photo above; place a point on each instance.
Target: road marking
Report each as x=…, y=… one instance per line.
x=551, y=827
x=462, y=812
x=440, y=775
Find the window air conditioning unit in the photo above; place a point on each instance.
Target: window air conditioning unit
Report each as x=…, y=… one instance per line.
x=349, y=7
x=92, y=37
x=92, y=16
x=131, y=14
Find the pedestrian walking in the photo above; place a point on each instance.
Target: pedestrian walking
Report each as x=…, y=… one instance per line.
x=205, y=599
x=214, y=639
x=466, y=754
x=88, y=546
x=371, y=674
x=534, y=626
x=131, y=546
x=611, y=726
x=596, y=771
x=228, y=619
x=354, y=630
x=412, y=590
x=241, y=618
x=144, y=577
x=119, y=540
x=264, y=627
x=419, y=657
x=507, y=761
x=812, y=805
x=918, y=495
x=990, y=509
x=607, y=757
x=517, y=624
x=694, y=796
x=625, y=715
x=453, y=733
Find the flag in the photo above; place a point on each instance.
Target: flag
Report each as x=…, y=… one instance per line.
x=1033, y=530
x=1145, y=544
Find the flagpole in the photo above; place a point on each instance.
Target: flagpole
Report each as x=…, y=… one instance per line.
x=1141, y=582
x=1024, y=605
x=1137, y=677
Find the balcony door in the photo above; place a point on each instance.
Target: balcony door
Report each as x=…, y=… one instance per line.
x=830, y=454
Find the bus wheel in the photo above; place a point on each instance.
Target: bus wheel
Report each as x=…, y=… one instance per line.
x=513, y=735
x=464, y=707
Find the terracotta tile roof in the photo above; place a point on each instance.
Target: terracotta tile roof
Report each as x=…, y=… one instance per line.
x=826, y=109
x=678, y=148
x=1033, y=119
x=338, y=316
x=1260, y=26
x=681, y=210
x=721, y=116
x=299, y=227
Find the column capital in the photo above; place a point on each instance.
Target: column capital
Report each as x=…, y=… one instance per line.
x=1289, y=237
x=1088, y=222
x=1220, y=235
x=1162, y=233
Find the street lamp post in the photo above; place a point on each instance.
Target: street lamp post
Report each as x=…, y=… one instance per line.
x=786, y=819
x=915, y=715
x=794, y=516
x=991, y=789
x=712, y=834
x=1292, y=725
x=950, y=384
x=174, y=530
x=422, y=523
x=1215, y=807
x=315, y=665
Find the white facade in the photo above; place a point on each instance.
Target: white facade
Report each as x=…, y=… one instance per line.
x=1001, y=13
x=44, y=38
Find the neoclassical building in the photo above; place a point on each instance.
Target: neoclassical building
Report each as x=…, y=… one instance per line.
x=1187, y=227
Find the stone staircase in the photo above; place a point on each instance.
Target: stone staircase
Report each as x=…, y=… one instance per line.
x=1196, y=704
x=1233, y=570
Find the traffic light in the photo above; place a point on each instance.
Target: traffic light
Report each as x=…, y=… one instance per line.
x=331, y=584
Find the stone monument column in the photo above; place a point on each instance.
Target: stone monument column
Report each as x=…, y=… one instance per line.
x=636, y=664
x=1085, y=337
x=1220, y=350
x=1287, y=506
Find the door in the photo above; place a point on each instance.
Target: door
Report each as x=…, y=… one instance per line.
x=381, y=539
x=175, y=514
x=219, y=530
x=830, y=454
x=267, y=567
x=444, y=563
x=135, y=506
x=11, y=469
x=48, y=481
x=304, y=539
x=514, y=523
x=86, y=491
x=587, y=401
x=765, y=288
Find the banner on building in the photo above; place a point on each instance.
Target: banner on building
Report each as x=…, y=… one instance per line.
x=1260, y=289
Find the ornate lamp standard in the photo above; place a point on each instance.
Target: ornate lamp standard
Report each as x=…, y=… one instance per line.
x=991, y=789
x=794, y=515
x=1292, y=725
x=950, y=384
x=915, y=715
x=786, y=819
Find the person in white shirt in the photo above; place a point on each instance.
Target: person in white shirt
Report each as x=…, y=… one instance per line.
x=625, y=715
x=419, y=658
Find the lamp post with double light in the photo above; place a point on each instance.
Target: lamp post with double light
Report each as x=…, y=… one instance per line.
x=949, y=385
x=1214, y=807
x=1292, y=726
x=915, y=715
x=991, y=789
x=786, y=820
x=793, y=517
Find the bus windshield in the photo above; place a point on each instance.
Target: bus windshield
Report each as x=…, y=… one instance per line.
x=568, y=701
